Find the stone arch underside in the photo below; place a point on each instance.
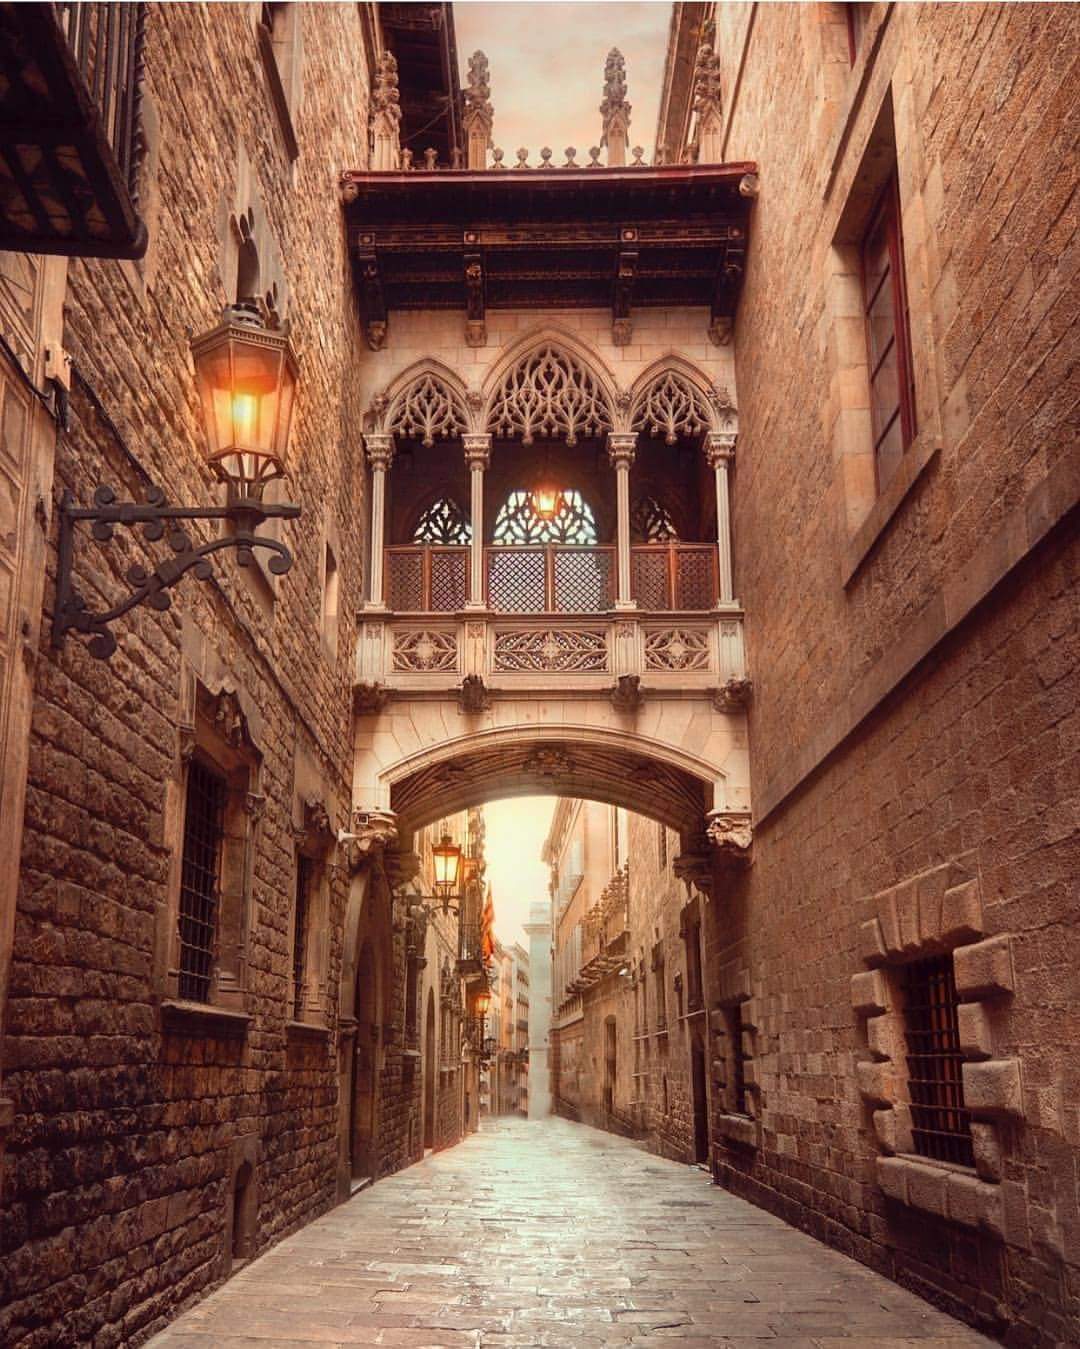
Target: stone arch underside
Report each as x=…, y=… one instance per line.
x=568, y=764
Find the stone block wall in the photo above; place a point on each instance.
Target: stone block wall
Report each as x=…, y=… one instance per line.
x=914, y=728
x=128, y=1132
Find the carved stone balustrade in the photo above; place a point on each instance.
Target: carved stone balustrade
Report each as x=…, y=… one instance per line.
x=416, y=653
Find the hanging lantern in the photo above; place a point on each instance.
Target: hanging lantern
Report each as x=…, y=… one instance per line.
x=447, y=857
x=547, y=502
x=246, y=376
x=482, y=1003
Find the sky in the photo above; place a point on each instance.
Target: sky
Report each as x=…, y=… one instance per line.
x=547, y=69
x=514, y=834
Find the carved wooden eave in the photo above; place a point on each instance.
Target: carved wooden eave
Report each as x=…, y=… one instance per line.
x=578, y=238
x=62, y=188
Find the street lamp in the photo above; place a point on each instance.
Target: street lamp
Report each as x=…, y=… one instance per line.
x=246, y=376
x=446, y=855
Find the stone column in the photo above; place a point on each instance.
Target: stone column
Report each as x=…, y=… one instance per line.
x=478, y=457
x=622, y=446
x=380, y=452
x=720, y=451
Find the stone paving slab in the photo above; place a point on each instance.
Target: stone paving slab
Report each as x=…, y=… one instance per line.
x=538, y=1233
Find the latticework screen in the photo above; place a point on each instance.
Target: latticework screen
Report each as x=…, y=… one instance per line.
x=405, y=580
x=695, y=577
x=449, y=580
x=649, y=578
x=517, y=580
x=583, y=580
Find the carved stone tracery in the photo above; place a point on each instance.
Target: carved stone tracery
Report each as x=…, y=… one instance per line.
x=671, y=406
x=549, y=392
x=682, y=649
x=424, y=652
x=427, y=410
x=551, y=650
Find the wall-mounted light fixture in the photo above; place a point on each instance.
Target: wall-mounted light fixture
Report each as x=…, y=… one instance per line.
x=246, y=375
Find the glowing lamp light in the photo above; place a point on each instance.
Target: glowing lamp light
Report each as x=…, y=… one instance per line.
x=246, y=377
x=447, y=858
x=546, y=501
x=483, y=1002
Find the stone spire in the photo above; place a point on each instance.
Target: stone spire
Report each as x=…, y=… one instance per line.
x=615, y=110
x=386, y=116
x=707, y=104
x=479, y=113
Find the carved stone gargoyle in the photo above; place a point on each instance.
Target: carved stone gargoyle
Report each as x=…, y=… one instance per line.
x=315, y=832
x=369, y=699
x=731, y=833
x=370, y=833
x=627, y=695
x=733, y=695
x=473, y=696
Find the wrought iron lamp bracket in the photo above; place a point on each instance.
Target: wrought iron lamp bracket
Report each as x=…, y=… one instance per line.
x=157, y=519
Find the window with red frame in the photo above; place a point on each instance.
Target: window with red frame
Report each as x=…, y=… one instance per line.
x=888, y=339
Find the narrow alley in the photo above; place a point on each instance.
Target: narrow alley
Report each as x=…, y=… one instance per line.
x=552, y=1233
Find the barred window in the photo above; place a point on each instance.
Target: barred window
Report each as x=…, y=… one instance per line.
x=200, y=880
x=940, y=1126
x=304, y=869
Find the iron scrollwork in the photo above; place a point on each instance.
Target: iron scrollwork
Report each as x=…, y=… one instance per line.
x=157, y=519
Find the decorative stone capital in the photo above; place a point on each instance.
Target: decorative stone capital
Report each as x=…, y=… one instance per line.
x=254, y=805
x=477, y=450
x=380, y=449
x=733, y=695
x=622, y=448
x=731, y=834
x=370, y=832
x=749, y=185
x=719, y=448
x=400, y=867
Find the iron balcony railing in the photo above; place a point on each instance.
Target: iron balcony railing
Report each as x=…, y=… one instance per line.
x=551, y=578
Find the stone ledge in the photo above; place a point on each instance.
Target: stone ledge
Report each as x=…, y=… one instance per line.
x=203, y=1019
x=741, y=1129
x=944, y=1191
x=306, y=1030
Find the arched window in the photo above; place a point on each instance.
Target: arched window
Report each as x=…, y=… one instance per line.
x=443, y=522
x=517, y=521
x=651, y=522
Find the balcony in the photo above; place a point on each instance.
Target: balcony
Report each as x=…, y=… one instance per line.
x=550, y=617
x=470, y=952
x=551, y=578
x=70, y=128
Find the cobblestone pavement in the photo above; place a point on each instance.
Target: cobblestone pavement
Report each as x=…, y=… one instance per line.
x=551, y=1233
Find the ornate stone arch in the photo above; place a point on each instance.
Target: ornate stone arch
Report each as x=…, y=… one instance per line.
x=672, y=398
x=549, y=384
x=427, y=402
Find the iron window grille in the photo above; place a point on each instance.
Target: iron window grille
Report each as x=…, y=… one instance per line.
x=300, y=933
x=940, y=1125
x=199, y=881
